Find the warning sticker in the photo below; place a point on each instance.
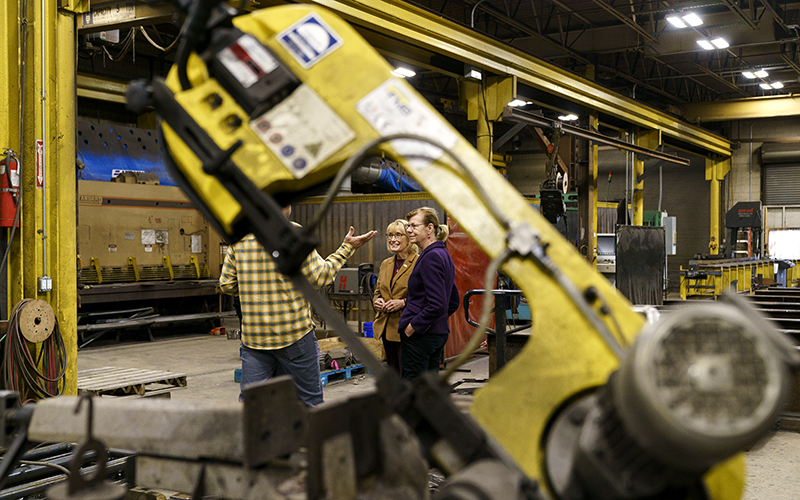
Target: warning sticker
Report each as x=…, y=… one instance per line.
x=309, y=40
x=247, y=60
x=197, y=243
x=302, y=131
x=393, y=109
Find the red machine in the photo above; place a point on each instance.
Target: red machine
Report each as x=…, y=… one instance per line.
x=9, y=191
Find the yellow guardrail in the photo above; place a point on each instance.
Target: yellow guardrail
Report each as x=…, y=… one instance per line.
x=712, y=278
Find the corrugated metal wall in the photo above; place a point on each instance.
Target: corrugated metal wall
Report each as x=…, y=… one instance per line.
x=364, y=213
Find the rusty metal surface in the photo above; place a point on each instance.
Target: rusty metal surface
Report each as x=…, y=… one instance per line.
x=364, y=213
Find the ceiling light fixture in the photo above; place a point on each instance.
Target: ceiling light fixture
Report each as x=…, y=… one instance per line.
x=761, y=73
x=720, y=43
x=705, y=44
x=692, y=19
x=402, y=72
x=748, y=74
x=516, y=103
x=472, y=73
x=568, y=118
x=765, y=86
x=676, y=21
x=777, y=85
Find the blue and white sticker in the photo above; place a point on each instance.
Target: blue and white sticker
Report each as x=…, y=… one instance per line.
x=309, y=40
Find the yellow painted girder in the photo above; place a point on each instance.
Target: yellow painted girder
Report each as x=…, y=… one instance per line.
x=429, y=31
x=742, y=109
x=103, y=89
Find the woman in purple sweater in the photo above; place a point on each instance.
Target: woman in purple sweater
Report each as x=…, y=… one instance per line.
x=432, y=296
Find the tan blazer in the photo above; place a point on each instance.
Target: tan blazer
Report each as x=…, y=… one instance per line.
x=391, y=289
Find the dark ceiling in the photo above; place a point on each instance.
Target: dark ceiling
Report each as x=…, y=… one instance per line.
x=635, y=51
x=628, y=45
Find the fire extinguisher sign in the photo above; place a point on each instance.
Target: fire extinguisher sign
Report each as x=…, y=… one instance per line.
x=39, y=166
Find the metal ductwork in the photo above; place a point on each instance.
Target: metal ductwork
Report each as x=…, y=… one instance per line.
x=384, y=174
x=776, y=152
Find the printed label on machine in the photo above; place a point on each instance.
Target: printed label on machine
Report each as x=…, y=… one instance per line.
x=148, y=236
x=197, y=243
x=247, y=60
x=109, y=13
x=309, y=40
x=393, y=109
x=302, y=131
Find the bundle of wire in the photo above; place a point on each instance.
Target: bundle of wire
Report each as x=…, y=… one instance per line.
x=21, y=373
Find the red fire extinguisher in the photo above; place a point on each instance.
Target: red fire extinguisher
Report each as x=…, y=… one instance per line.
x=9, y=191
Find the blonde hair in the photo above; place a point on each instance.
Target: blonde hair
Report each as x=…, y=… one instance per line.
x=400, y=226
x=429, y=216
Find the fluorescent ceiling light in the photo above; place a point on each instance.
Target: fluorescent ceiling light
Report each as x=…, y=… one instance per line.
x=568, y=118
x=777, y=85
x=705, y=44
x=518, y=102
x=720, y=43
x=765, y=86
x=402, y=72
x=676, y=21
x=761, y=73
x=748, y=74
x=692, y=19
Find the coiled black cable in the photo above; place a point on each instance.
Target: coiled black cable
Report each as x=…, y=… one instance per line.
x=21, y=373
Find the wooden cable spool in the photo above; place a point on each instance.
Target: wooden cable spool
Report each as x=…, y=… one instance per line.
x=37, y=320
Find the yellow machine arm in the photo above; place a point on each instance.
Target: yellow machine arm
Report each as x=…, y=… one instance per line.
x=273, y=103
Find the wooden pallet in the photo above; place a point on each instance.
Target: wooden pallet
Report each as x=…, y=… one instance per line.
x=130, y=382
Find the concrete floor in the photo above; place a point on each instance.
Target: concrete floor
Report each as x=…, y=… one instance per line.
x=773, y=465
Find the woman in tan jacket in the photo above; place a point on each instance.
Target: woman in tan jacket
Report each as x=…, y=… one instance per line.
x=390, y=290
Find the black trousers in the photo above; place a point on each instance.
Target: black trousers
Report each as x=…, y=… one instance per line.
x=420, y=352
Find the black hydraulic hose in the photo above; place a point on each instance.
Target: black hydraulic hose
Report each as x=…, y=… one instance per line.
x=199, y=14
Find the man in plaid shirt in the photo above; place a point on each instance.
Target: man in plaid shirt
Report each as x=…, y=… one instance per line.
x=277, y=330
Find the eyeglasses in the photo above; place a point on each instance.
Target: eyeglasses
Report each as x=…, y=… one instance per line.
x=414, y=227
x=397, y=236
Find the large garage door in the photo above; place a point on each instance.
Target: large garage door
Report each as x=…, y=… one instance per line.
x=781, y=164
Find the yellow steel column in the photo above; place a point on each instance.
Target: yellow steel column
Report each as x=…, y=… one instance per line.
x=716, y=170
x=594, y=122
x=47, y=215
x=10, y=71
x=62, y=193
x=484, y=102
x=649, y=139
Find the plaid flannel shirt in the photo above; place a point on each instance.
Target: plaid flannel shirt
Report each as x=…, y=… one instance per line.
x=274, y=314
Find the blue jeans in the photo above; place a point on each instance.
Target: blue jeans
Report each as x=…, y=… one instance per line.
x=300, y=360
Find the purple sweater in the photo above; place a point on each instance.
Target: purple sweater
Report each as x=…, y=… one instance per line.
x=432, y=293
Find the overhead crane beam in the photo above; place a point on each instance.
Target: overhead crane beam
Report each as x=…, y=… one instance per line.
x=427, y=30
x=742, y=109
